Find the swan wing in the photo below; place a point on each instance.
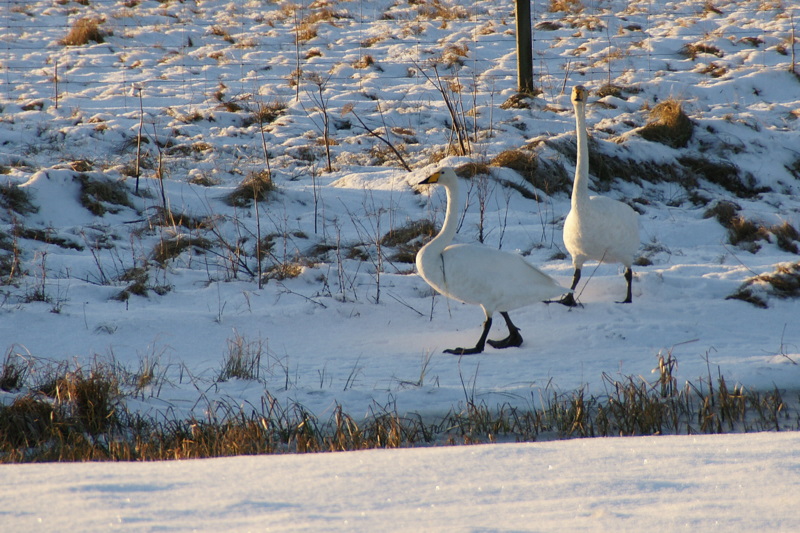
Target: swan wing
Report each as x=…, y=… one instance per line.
x=495, y=279
x=602, y=229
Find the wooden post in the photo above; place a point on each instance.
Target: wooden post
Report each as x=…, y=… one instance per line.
x=55, y=75
x=791, y=19
x=524, y=46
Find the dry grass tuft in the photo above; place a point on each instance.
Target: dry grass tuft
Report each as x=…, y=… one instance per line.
x=308, y=27
x=243, y=360
x=168, y=218
x=607, y=166
x=722, y=173
x=373, y=40
x=617, y=91
x=520, y=100
x=267, y=113
x=255, y=187
x=101, y=196
x=306, y=32
x=566, y=6
x=714, y=70
x=10, y=264
x=709, y=7
x=794, y=167
x=473, y=168
x=49, y=236
x=364, y=61
x=171, y=248
x=91, y=397
x=81, y=165
x=724, y=211
x=693, y=50
x=25, y=423
x=14, y=372
x=137, y=279
x=438, y=10
x=203, y=179
x=81, y=416
x=65, y=418
x=222, y=33
x=786, y=237
x=407, y=240
x=453, y=55
x=782, y=283
x=745, y=233
x=284, y=270
x=16, y=199
x=84, y=31
x=548, y=25
x=523, y=162
x=669, y=125
x=609, y=89
x=324, y=14
x=550, y=178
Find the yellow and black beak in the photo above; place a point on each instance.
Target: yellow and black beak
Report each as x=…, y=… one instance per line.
x=433, y=178
x=579, y=93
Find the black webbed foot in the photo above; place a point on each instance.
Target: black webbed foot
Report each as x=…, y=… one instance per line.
x=568, y=300
x=487, y=325
x=514, y=340
x=464, y=351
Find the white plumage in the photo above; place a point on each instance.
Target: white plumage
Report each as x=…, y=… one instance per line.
x=597, y=228
x=498, y=281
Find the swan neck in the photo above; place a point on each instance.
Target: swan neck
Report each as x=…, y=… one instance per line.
x=448, y=230
x=580, y=188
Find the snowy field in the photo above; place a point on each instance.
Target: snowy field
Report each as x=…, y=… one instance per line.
x=707, y=483
x=199, y=96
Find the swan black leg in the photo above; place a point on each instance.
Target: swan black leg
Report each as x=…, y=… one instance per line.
x=478, y=347
x=576, y=277
x=569, y=299
x=514, y=338
x=629, y=278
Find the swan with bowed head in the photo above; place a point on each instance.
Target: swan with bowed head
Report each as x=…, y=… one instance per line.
x=496, y=280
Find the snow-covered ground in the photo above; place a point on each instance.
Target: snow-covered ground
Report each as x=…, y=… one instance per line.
x=357, y=328
x=701, y=483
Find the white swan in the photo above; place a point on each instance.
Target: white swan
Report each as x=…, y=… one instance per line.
x=477, y=274
x=597, y=228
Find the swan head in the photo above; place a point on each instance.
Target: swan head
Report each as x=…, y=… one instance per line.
x=579, y=94
x=444, y=175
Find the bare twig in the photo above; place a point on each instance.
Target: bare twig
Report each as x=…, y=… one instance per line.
x=385, y=140
x=303, y=296
x=458, y=128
